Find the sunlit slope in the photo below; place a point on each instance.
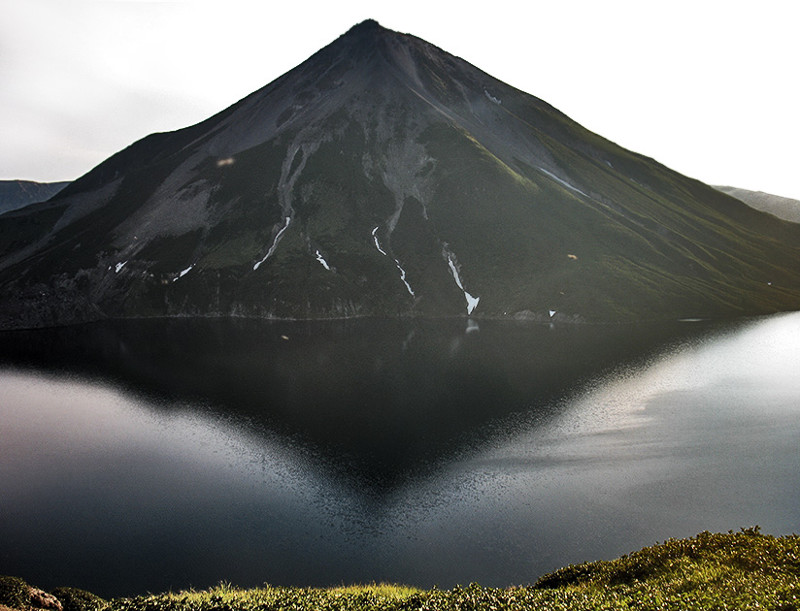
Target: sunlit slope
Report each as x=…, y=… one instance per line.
x=385, y=177
x=743, y=570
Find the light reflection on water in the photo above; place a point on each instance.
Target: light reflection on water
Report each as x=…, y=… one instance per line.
x=146, y=497
x=702, y=438
x=134, y=493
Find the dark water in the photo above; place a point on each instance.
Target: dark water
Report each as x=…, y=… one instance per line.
x=149, y=455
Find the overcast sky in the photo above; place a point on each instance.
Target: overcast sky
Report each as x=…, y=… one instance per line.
x=709, y=88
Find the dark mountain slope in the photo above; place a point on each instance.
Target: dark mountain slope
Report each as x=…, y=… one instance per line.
x=385, y=177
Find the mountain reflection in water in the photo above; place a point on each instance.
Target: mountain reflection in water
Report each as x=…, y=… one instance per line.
x=173, y=453
x=381, y=397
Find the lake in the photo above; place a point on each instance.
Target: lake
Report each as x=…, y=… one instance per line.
x=149, y=455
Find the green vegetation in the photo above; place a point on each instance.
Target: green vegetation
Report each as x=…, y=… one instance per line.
x=13, y=592
x=745, y=570
x=75, y=599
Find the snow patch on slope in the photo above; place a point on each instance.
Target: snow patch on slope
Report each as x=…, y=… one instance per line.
x=563, y=182
x=274, y=244
x=322, y=261
x=377, y=244
x=183, y=273
x=450, y=257
x=491, y=97
x=396, y=262
x=403, y=277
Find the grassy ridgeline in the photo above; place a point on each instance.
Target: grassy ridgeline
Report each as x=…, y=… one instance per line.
x=745, y=570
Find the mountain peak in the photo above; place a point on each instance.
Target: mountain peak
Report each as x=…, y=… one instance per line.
x=367, y=33
x=366, y=26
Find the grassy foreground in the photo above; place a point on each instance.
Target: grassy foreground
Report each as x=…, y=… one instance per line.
x=745, y=570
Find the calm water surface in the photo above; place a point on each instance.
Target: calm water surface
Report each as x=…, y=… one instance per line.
x=150, y=455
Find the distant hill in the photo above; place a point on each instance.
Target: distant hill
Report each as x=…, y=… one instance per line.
x=16, y=194
x=782, y=207
x=385, y=177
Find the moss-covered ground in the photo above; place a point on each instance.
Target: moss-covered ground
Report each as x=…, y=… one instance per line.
x=744, y=570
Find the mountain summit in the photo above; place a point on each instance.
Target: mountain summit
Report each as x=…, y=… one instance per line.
x=386, y=177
